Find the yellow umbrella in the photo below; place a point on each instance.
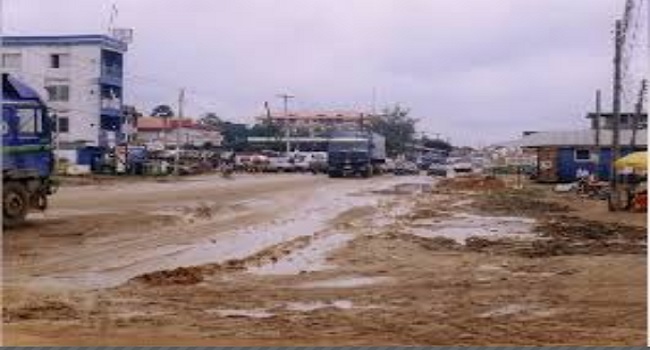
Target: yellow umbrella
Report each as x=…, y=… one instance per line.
x=637, y=161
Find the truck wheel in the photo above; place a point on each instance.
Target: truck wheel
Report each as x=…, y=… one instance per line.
x=367, y=173
x=15, y=204
x=333, y=174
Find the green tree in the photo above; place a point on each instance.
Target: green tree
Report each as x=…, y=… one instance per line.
x=398, y=128
x=266, y=130
x=234, y=135
x=162, y=111
x=436, y=144
x=211, y=120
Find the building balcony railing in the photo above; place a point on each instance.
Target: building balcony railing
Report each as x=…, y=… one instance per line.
x=111, y=75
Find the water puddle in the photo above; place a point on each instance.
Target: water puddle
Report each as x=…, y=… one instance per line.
x=141, y=314
x=345, y=282
x=317, y=305
x=310, y=259
x=529, y=310
x=406, y=188
x=252, y=313
x=462, y=226
x=310, y=217
x=308, y=306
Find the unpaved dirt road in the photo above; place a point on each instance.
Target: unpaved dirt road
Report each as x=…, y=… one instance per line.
x=307, y=260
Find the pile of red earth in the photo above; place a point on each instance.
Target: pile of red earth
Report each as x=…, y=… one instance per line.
x=472, y=183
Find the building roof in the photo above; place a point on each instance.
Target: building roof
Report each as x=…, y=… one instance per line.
x=610, y=115
x=578, y=138
x=325, y=114
x=65, y=40
x=160, y=123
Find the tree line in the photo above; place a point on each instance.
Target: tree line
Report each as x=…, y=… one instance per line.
x=394, y=123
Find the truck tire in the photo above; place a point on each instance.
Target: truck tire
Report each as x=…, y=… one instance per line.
x=15, y=204
x=333, y=174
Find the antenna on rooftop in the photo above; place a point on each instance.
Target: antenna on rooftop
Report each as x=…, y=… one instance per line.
x=111, y=19
x=124, y=35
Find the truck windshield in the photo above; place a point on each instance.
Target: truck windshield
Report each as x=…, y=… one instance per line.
x=353, y=146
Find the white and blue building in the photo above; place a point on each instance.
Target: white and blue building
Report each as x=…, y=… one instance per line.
x=560, y=154
x=81, y=78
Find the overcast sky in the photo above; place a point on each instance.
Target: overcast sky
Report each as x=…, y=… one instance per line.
x=477, y=71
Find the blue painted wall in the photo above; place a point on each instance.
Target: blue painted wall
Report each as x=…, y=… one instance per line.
x=567, y=165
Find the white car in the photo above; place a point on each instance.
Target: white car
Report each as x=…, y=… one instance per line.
x=462, y=166
x=280, y=164
x=301, y=161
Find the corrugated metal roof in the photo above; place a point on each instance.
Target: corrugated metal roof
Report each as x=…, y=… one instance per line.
x=89, y=39
x=580, y=138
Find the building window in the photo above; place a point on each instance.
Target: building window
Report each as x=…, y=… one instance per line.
x=62, y=124
x=59, y=60
x=58, y=92
x=29, y=120
x=582, y=155
x=624, y=119
x=11, y=60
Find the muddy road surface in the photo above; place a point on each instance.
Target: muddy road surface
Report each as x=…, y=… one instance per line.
x=307, y=260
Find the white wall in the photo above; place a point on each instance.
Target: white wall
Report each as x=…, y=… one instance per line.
x=82, y=74
x=195, y=137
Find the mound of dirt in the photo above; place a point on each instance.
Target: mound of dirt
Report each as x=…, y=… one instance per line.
x=433, y=243
x=195, y=274
x=472, y=183
x=425, y=213
x=572, y=228
x=47, y=309
x=568, y=236
x=178, y=276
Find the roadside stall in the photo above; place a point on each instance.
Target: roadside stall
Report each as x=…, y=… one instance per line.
x=634, y=175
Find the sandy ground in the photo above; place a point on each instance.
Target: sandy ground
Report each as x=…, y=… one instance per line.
x=307, y=260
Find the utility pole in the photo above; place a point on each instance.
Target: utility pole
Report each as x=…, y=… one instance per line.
x=637, y=114
x=618, y=50
x=374, y=101
x=177, y=156
x=597, y=127
x=57, y=141
x=597, y=118
x=287, y=132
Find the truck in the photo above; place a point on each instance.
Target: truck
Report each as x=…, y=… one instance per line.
x=355, y=153
x=27, y=156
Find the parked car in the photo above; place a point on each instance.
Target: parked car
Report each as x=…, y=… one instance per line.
x=462, y=166
x=406, y=168
x=437, y=169
x=280, y=164
x=300, y=161
x=318, y=162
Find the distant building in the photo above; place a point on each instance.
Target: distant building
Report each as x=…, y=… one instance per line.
x=561, y=154
x=157, y=132
x=81, y=79
x=316, y=121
